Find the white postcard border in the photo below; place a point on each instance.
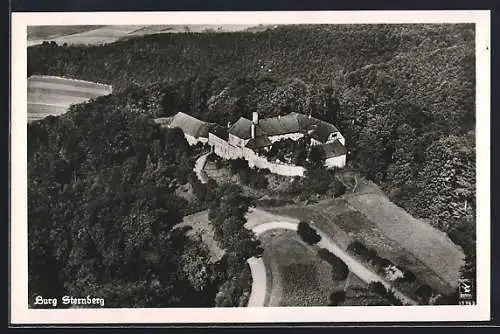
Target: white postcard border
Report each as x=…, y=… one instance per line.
x=20, y=314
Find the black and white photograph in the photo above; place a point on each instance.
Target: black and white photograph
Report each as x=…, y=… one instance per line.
x=279, y=167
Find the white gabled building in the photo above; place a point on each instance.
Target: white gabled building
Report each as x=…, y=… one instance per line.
x=258, y=134
x=246, y=138
x=195, y=131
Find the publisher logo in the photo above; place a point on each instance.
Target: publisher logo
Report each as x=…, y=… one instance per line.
x=465, y=291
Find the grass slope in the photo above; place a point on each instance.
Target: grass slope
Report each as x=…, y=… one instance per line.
x=201, y=226
x=425, y=242
x=54, y=95
x=99, y=34
x=37, y=34
x=296, y=275
x=345, y=224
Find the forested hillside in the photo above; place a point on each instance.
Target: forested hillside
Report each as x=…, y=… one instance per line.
x=103, y=206
x=402, y=95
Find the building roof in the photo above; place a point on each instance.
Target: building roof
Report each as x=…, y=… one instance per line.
x=290, y=123
x=190, y=125
x=218, y=130
x=276, y=126
x=241, y=128
x=317, y=129
x=334, y=149
x=258, y=142
x=163, y=121
x=320, y=132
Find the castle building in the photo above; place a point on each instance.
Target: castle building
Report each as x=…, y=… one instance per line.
x=245, y=138
x=195, y=131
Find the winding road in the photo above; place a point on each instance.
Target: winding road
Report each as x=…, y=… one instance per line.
x=198, y=167
x=258, y=223
x=258, y=270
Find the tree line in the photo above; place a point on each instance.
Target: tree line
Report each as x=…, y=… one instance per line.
x=103, y=210
x=402, y=95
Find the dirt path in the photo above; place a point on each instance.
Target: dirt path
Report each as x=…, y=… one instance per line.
x=257, y=266
x=258, y=270
x=198, y=167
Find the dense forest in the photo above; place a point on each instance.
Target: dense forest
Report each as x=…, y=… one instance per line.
x=103, y=208
x=402, y=95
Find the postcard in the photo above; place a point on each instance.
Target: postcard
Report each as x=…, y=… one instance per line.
x=250, y=167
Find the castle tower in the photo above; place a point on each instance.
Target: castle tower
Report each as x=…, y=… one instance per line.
x=255, y=121
x=255, y=118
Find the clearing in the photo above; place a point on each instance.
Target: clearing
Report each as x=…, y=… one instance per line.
x=428, y=244
x=399, y=240
x=201, y=226
x=49, y=95
x=99, y=34
x=292, y=271
x=91, y=35
x=295, y=275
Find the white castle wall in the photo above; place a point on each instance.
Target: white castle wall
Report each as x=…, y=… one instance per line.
x=336, y=136
x=227, y=151
x=258, y=161
x=193, y=140
x=293, y=136
x=338, y=162
x=223, y=149
x=235, y=141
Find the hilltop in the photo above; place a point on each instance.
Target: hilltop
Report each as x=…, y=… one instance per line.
x=99, y=34
x=402, y=95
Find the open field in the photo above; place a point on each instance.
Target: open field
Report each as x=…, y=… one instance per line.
x=49, y=95
x=361, y=296
x=296, y=276
x=94, y=35
x=195, y=28
x=201, y=226
x=37, y=34
x=429, y=245
x=344, y=224
x=317, y=215
x=362, y=270
x=38, y=111
x=100, y=35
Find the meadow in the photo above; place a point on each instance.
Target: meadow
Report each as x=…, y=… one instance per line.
x=200, y=226
x=426, y=243
x=48, y=95
x=344, y=223
x=96, y=35
x=296, y=276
